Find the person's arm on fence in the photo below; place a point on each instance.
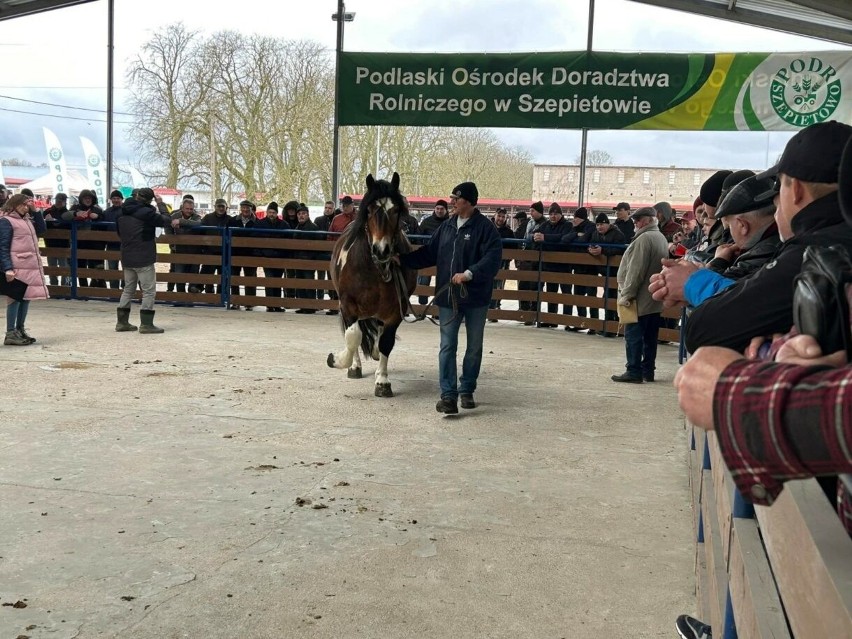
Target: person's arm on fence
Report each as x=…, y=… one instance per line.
x=774, y=421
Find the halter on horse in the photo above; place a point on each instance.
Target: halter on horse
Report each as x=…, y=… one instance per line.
x=373, y=289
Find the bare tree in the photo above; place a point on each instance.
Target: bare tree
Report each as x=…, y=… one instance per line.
x=597, y=157
x=252, y=113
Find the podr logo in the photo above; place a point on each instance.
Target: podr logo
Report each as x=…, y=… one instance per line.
x=805, y=92
x=94, y=160
x=55, y=154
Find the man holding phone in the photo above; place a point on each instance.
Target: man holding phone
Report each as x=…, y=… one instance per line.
x=607, y=233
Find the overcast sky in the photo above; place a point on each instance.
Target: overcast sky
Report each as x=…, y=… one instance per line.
x=60, y=57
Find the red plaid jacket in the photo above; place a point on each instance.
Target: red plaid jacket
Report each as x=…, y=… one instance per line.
x=777, y=422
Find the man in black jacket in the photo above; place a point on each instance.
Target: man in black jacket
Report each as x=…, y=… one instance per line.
x=220, y=219
x=136, y=228
x=53, y=219
x=623, y=222
x=467, y=252
x=304, y=223
x=273, y=223
x=111, y=213
x=501, y=222
x=245, y=220
x=580, y=232
x=808, y=213
x=550, y=233
x=607, y=233
x=427, y=227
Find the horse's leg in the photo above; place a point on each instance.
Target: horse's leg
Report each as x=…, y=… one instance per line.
x=386, y=342
x=354, y=371
x=344, y=359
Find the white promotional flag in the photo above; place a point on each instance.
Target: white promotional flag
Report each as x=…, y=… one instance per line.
x=136, y=178
x=2, y=179
x=95, y=169
x=56, y=161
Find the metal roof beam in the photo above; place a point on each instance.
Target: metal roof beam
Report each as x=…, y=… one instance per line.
x=18, y=8
x=713, y=9
x=839, y=8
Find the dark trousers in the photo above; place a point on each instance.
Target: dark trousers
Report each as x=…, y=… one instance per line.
x=190, y=269
x=565, y=289
x=305, y=293
x=248, y=271
x=641, y=344
x=424, y=280
x=498, y=286
x=211, y=269
x=273, y=273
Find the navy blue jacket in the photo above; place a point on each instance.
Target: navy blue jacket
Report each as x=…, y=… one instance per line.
x=475, y=247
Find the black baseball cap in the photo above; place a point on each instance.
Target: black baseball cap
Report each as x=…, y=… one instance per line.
x=621, y=206
x=813, y=154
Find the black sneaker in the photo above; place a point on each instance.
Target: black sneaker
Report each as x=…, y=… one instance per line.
x=690, y=628
x=467, y=400
x=626, y=378
x=447, y=406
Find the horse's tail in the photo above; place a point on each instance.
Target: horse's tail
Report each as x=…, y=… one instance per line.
x=369, y=335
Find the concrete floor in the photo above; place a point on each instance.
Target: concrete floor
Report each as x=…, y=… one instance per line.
x=220, y=481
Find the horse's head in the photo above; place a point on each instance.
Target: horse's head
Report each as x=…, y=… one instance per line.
x=380, y=210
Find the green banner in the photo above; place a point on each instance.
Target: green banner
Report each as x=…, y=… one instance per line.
x=572, y=90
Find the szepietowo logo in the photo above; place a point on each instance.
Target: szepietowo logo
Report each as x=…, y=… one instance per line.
x=805, y=91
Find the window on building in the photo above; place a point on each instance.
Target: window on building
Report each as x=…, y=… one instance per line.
x=571, y=175
x=545, y=175
x=596, y=176
x=696, y=179
x=646, y=177
x=621, y=176
x=672, y=175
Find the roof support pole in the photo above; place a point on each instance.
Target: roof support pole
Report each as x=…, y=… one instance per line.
x=585, y=135
x=110, y=90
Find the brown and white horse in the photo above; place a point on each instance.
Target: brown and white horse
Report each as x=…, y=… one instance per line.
x=373, y=288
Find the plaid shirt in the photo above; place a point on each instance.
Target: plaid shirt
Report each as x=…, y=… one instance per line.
x=777, y=422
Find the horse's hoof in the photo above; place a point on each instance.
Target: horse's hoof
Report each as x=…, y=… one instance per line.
x=330, y=360
x=354, y=373
x=384, y=390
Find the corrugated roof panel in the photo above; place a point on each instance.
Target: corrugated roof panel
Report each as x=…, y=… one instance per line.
x=829, y=20
x=18, y=8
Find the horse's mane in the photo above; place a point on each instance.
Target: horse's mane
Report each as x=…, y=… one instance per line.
x=376, y=190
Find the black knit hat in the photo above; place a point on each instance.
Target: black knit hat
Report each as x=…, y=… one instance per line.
x=520, y=215
x=441, y=203
x=554, y=208
x=467, y=191
x=292, y=204
x=538, y=206
x=27, y=192
x=602, y=218
x=143, y=195
x=272, y=206
x=712, y=188
x=116, y=193
x=582, y=213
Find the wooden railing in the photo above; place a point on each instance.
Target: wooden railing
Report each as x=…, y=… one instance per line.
x=222, y=252
x=783, y=571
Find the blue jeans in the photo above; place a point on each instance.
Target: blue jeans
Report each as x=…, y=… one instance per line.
x=16, y=314
x=474, y=321
x=641, y=342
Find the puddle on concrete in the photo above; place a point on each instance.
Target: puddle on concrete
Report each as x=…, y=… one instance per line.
x=66, y=365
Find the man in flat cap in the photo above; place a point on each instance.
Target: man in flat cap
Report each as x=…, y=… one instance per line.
x=641, y=260
x=749, y=211
x=808, y=213
x=467, y=251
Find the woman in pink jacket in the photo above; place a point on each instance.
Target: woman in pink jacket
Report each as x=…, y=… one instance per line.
x=20, y=259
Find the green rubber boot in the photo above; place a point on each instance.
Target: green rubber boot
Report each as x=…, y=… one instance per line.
x=123, y=324
x=146, y=323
